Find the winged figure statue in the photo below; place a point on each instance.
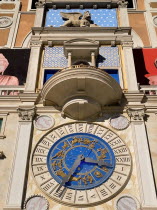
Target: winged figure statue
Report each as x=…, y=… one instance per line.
x=76, y=19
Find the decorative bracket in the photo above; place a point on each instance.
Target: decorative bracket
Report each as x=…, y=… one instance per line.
x=122, y=4
x=40, y=4
x=136, y=114
x=26, y=114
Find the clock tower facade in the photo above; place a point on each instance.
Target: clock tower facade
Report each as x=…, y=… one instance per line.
x=78, y=108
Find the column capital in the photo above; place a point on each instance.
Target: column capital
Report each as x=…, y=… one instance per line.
x=26, y=114
x=136, y=114
x=35, y=43
x=122, y=4
x=40, y=4
x=127, y=44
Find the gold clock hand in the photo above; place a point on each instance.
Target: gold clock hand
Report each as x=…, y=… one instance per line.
x=72, y=170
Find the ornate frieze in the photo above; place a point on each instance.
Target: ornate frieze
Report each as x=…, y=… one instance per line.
x=136, y=114
x=26, y=114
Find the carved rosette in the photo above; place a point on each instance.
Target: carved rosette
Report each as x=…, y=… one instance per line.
x=26, y=114
x=136, y=114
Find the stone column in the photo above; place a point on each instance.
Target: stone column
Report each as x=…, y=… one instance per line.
x=93, y=59
x=33, y=66
x=40, y=8
x=69, y=59
x=123, y=13
x=129, y=66
x=18, y=172
x=143, y=161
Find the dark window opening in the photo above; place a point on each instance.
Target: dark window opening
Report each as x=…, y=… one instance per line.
x=130, y=4
x=33, y=4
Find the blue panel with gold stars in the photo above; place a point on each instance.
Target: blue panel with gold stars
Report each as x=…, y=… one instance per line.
x=101, y=17
x=83, y=160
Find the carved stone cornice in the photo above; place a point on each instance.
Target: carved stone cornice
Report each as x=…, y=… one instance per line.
x=40, y=4
x=122, y=4
x=136, y=114
x=26, y=114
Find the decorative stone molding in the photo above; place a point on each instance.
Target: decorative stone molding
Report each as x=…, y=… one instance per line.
x=26, y=114
x=127, y=44
x=122, y=4
x=136, y=114
x=67, y=6
x=5, y=21
x=95, y=6
x=113, y=43
x=35, y=43
x=40, y=4
x=37, y=202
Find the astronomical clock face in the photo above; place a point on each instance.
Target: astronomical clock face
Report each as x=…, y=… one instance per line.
x=81, y=164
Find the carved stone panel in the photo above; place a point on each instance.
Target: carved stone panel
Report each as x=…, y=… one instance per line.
x=5, y=21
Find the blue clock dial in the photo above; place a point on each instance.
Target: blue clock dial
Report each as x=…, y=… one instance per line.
x=81, y=161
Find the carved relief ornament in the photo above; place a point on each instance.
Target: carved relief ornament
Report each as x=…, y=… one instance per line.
x=40, y=4
x=5, y=21
x=26, y=114
x=35, y=43
x=136, y=114
x=122, y=4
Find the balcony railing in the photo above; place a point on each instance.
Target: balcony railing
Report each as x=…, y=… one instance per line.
x=11, y=90
x=148, y=89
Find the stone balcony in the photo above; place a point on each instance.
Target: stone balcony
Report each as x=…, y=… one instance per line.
x=81, y=91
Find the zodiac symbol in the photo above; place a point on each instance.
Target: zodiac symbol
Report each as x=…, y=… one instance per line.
x=55, y=163
x=59, y=154
x=87, y=179
x=92, y=145
x=76, y=140
x=105, y=169
x=65, y=145
x=60, y=173
x=75, y=178
x=98, y=174
x=103, y=153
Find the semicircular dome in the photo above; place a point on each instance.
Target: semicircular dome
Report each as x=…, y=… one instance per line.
x=81, y=91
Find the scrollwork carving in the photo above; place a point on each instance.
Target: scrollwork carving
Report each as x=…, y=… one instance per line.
x=26, y=114
x=136, y=114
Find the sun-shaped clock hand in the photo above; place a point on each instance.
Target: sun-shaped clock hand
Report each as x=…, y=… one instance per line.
x=72, y=170
x=99, y=162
